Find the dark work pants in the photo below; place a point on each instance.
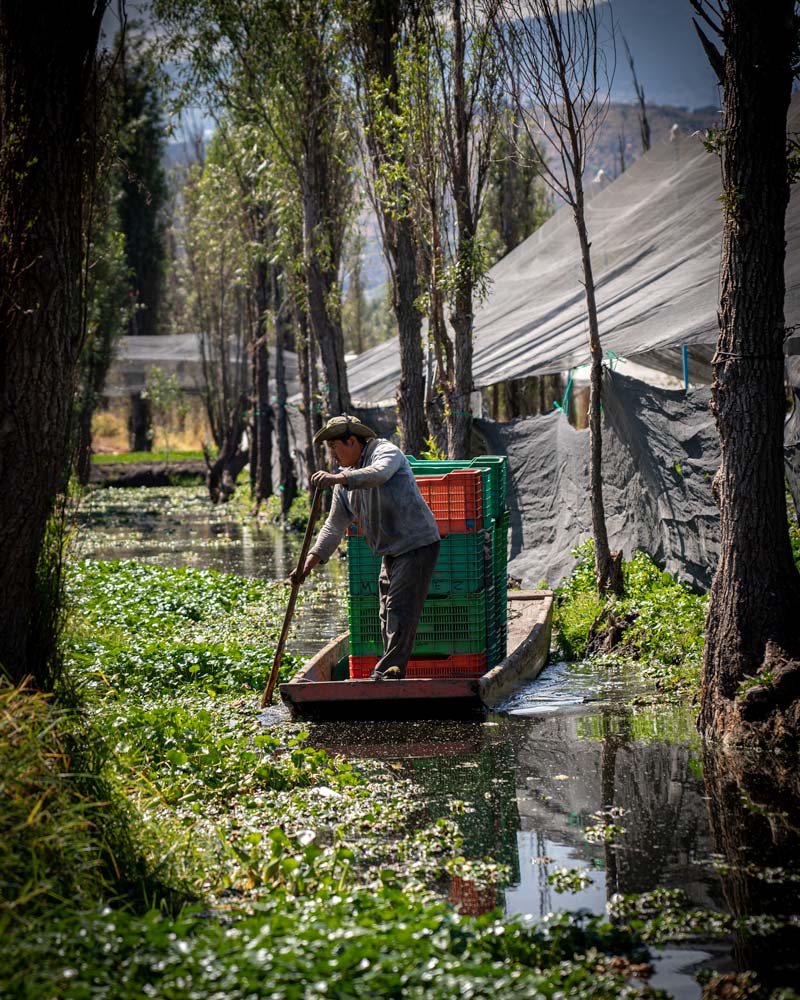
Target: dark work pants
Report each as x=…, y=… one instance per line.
x=403, y=587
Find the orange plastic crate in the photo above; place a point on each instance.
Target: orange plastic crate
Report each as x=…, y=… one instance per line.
x=457, y=665
x=455, y=500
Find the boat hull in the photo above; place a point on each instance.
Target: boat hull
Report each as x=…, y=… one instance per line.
x=312, y=694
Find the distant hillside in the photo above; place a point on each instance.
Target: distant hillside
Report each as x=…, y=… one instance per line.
x=623, y=119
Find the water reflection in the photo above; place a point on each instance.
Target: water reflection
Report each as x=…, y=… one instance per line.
x=754, y=811
x=176, y=526
x=537, y=785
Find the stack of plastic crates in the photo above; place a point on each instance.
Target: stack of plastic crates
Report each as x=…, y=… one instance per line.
x=462, y=630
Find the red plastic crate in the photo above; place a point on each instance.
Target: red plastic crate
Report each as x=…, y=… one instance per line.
x=455, y=500
x=471, y=898
x=457, y=665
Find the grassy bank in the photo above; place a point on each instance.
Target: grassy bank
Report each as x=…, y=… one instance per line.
x=659, y=623
x=131, y=457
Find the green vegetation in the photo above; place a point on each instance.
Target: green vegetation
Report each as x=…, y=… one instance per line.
x=148, y=456
x=660, y=622
x=299, y=511
x=143, y=631
x=794, y=528
x=578, y=606
x=164, y=841
x=360, y=943
x=667, y=915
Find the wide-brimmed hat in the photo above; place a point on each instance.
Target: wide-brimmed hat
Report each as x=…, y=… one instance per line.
x=341, y=428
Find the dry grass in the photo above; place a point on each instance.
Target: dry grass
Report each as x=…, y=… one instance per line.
x=110, y=430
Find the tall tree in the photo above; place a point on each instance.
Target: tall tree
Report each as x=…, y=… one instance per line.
x=467, y=57
x=423, y=185
x=47, y=108
x=216, y=273
x=107, y=303
x=261, y=424
x=450, y=103
x=143, y=198
x=378, y=28
x=281, y=65
x=752, y=626
x=556, y=50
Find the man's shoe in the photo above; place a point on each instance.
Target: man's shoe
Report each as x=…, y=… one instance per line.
x=390, y=674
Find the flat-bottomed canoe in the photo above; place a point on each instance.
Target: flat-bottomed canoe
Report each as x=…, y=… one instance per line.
x=313, y=693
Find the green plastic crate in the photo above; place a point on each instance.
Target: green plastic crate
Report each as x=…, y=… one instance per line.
x=363, y=567
x=448, y=625
x=500, y=546
x=464, y=564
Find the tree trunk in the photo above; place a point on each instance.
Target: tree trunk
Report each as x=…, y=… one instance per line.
x=380, y=41
x=83, y=460
x=318, y=451
x=321, y=273
x=411, y=391
x=262, y=422
x=47, y=53
x=253, y=429
x=441, y=376
x=608, y=565
x=755, y=597
x=459, y=423
x=231, y=458
x=304, y=362
x=140, y=424
x=261, y=445
x=288, y=483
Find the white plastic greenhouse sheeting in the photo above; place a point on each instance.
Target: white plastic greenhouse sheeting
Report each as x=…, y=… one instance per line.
x=656, y=238
x=176, y=355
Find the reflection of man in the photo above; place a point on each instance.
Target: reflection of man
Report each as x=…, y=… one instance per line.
x=376, y=487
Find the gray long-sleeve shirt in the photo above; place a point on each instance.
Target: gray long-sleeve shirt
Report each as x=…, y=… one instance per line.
x=382, y=495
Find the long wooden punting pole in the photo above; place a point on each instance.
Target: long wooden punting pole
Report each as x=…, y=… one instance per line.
x=316, y=503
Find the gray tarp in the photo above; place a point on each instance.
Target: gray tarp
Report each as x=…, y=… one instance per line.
x=660, y=453
x=656, y=236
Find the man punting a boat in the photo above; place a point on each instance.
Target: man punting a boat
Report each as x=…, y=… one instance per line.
x=376, y=488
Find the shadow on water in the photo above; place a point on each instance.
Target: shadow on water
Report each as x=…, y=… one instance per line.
x=535, y=786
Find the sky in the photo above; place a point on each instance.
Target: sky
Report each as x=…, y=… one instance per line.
x=670, y=62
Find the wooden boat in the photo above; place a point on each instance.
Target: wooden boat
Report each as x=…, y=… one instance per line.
x=313, y=693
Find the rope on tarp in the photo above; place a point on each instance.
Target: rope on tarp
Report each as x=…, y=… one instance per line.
x=563, y=407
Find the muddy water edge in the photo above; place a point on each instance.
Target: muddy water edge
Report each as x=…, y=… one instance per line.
x=584, y=789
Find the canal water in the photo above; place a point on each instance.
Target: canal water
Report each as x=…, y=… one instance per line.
x=537, y=786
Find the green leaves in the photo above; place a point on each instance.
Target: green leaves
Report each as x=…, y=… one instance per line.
x=151, y=631
x=664, y=621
